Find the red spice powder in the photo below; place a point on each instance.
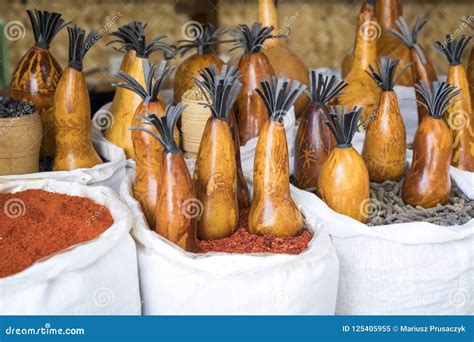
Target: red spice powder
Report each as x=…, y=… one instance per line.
x=242, y=241
x=35, y=224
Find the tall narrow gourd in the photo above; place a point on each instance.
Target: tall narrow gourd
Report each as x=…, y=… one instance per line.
x=314, y=140
x=148, y=151
x=428, y=183
x=203, y=39
x=285, y=62
x=37, y=74
x=175, y=192
x=459, y=116
x=362, y=91
x=422, y=68
x=72, y=110
x=132, y=38
x=470, y=63
x=273, y=211
x=253, y=66
x=384, y=150
x=388, y=12
x=344, y=179
x=215, y=173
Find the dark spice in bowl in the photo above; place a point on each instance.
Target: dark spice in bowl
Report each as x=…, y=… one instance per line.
x=10, y=107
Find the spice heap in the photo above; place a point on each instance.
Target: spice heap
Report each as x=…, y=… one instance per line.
x=387, y=207
x=35, y=224
x=10, y=107
x=242, y=241
x=195, y=94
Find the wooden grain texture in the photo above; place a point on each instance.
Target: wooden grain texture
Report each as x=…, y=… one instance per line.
x=285, y=62
x=215, y=181
x=174, y=220
x=183, y=79
x=422, y=72
x=314, y=142
x=72, y=118
x=387, y=12
x=428, y=183
x=344, y=183
x=124, y=104
x=249, y=108
x=272, y=211
x=384, y=150
x=362, y=90
x=35, y=79
x=460, y=120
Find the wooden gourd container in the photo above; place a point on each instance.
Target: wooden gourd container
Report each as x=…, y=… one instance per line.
x=37, y=74
x=72, y=110
x=283, y=60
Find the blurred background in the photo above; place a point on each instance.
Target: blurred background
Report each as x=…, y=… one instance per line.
x=322, y=31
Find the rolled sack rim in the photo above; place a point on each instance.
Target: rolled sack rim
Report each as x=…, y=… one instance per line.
x=80, y=255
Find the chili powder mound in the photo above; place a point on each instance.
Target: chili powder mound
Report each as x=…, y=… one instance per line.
x=35, y=224
x=242, y=241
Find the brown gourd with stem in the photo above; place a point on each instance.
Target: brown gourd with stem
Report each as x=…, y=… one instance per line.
x=273, y=211
x=284, y=61
x=253, y=65
x=459, y=116
x=314, y=140
x=204, y=39
x=72, y=110
x=387, y=14
x=428, y=182
x=175, y=192
x=344, y=179
x=215, y=173
x=385, y=145
x=133, y=40
x=148, y=151
x=37, y=74
x=362, y=91
x=422, y=69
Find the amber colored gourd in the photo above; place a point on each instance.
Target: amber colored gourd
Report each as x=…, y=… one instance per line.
x=37, y=75
x=284, y=61
x=470, y=76
x=175, y=212
x=344, y=180
x=387, y=13
x=362, y=91
x=273, y=211
x=428, y=181
x=384, y=150
x=314, y=140
x=459, y=116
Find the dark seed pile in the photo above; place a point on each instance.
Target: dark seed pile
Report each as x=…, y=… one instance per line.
x=387, y=207
x=10, y=108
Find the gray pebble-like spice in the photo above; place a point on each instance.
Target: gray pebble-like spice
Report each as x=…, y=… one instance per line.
x=387, y=207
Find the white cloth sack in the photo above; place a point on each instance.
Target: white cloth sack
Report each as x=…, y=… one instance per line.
x=174, y=282
x=110, y=173
x=99, y=277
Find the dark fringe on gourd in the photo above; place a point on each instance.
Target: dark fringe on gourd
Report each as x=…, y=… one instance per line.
x=384, y=74
x=126, y=35
x=252, y=39
x=452, y=48
x=204, y=42
x=279, y=95
x=410, y=37
x=324, y=88
x=164, y=125
x=343, y=124
x=155, y=79
x=45, y=26
x=220, y=90
x=438, y=99
x=79, y=45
